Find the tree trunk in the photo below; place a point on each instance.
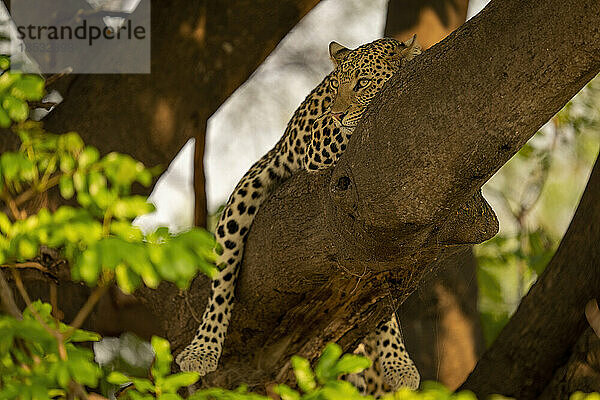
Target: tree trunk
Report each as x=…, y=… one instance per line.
x=549, y=326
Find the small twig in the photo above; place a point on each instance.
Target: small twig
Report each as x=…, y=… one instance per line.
x=47, y=173
x=191, y=310
x=77, y=391
x=29, y=193
x=8, y=301
x=87, y=308
x=40, y=104
x=56, y=313
x=106, y=222
x=12, y=206
x=56, y=334
x=346, y=270
x=53, y=78
x=28, y=264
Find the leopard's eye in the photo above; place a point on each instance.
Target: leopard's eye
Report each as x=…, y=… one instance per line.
x=363, y=82
x=334, y=83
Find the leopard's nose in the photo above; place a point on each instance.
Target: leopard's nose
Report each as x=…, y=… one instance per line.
x=339, y=116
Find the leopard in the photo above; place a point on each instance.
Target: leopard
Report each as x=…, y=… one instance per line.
x=315, y=137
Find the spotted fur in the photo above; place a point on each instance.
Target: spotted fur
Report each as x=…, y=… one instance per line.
x=315, y=137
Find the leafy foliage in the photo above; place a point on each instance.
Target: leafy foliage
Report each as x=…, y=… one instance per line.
x=324, y=383
x=16, y=89
x=161, y=384
x=34, y=364
x=97, y=238
x=40, y=356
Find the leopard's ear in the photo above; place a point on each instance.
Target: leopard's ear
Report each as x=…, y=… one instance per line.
x=407, y=50
x=413, y=48
x=337, y=52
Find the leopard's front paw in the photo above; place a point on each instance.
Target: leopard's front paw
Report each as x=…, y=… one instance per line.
x=198, y=359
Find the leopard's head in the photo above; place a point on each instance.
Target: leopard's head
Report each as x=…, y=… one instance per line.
x=360, y=73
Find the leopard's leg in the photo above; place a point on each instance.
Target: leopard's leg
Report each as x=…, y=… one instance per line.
x=203, y=354
x=386, y=373
x=375, y=383
x=397, y=367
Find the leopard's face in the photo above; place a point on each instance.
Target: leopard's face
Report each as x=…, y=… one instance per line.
x=360, y=73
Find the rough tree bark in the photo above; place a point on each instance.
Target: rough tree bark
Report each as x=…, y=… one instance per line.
x=327, y=249
x=440, y=322
x=548, y=337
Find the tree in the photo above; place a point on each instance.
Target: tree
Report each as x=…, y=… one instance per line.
x=442, y=178
x=422, y=204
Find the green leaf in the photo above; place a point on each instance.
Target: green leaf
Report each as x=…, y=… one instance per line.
x=15, y=166
x=127, y=280
x=88, y=266
x=131, y=207
x=79, y=180
x=286, y=393
x=27, y=249
x=172, y=383
x=81, y=335
x=5, y=224
x=4, y=62
x=62, y=375
x=88, y=156
x=17, y=109
x=340, y=390
x=70, y=142
x=82, y=367
x=169, y=396
x=325, y=366
x=126, y=231
x=67, y=163
x=142, y=385
x=7, y=79
x=304, y=375
x=145, y=177
x=30, y=87
x=5, y=120
x=351, y=364
x=162, y=357
x=118, y=378
x=66, y=187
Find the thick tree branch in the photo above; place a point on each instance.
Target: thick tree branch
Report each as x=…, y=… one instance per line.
x=580, y=373
x=550, y=320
